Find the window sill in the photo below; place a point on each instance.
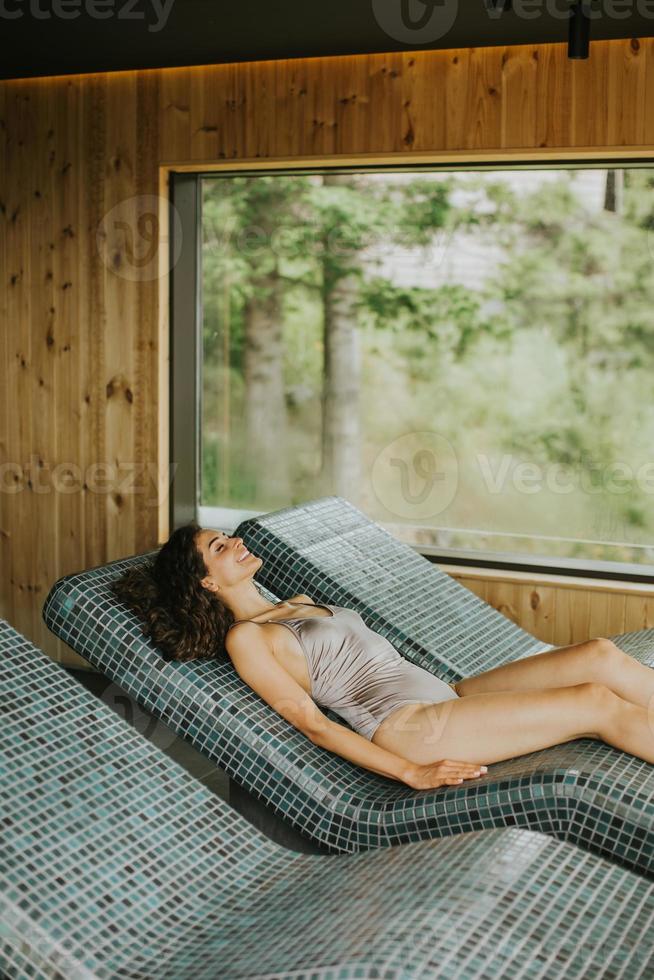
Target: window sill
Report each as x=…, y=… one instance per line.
x=544, y=578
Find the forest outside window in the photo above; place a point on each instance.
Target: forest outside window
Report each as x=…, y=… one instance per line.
x=465, y=355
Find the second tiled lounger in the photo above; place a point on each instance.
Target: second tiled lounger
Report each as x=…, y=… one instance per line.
x=116, y=864
x=582, y=791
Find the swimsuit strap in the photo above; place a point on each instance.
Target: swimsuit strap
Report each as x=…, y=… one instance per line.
x=290, y=618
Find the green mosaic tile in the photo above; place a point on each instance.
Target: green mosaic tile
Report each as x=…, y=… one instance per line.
x=330, y=550
x=116, y=863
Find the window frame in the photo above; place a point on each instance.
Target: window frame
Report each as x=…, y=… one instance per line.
x=185, y=318
x=185, y=311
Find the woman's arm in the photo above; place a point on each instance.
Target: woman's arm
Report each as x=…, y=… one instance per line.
x=255, y=663
x=350, y=745
x=355, y=748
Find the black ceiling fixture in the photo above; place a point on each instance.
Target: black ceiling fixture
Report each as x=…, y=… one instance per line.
x=48, y=37
x=579, y=31
x=500, y=6
x=578, y=16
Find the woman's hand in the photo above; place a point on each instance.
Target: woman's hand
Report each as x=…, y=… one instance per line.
x=444, y=773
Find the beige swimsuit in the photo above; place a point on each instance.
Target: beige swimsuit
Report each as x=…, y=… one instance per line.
x=358, y=673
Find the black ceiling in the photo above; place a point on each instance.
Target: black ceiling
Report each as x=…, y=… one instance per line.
x=50, y=37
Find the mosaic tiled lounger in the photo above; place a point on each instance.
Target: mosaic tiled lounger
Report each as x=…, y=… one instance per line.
x=116, y=863
x=582, y=791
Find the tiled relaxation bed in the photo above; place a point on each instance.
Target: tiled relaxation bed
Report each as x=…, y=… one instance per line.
x=583, y=791
x=116, y=863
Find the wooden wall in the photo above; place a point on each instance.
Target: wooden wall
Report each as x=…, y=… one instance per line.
x=558, y=609
x=83, y=342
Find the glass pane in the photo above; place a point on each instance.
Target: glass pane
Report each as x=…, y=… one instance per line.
x=467, y=356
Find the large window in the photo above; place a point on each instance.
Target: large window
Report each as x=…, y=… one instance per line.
x=467, y=356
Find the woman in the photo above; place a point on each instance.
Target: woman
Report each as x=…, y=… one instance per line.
x=199, y=598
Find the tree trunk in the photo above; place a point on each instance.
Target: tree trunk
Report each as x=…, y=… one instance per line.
x=613, y=193
x=341, y=471
x=265, y=404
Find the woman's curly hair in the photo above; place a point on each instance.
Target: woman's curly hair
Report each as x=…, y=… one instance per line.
x=182, y=618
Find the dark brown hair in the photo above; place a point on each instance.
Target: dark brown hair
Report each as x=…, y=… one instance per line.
x=182, y=618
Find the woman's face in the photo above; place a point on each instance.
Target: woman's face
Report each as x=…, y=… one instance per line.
x=227, y=559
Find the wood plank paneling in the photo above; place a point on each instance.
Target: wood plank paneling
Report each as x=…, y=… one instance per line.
x=146, y=353
x=22, y=332
x=123, y=250
x=558, y=609
x=48, y=343
x=6, y=462
x=84, y=334
x=93, y=382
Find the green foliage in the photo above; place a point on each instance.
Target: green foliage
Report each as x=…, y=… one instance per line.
x=449, y=317
x=549, y=360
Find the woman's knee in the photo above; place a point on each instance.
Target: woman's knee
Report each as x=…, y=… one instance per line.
x=594, y=691
x=593, y=701
x=606, y=650
x=604, y=659
x=598, y=706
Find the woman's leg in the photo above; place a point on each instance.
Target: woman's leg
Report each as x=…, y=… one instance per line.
x=486, y=728
x=598, y=660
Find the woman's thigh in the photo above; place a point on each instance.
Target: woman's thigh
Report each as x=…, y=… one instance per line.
x=560, y=667
x=486, y=728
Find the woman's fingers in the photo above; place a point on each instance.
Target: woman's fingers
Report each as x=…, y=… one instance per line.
x=447, y=772
x=449, y=765
x=459, y=762
x=456, y=772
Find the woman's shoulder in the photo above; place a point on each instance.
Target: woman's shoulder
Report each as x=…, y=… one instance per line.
x=242, y=634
